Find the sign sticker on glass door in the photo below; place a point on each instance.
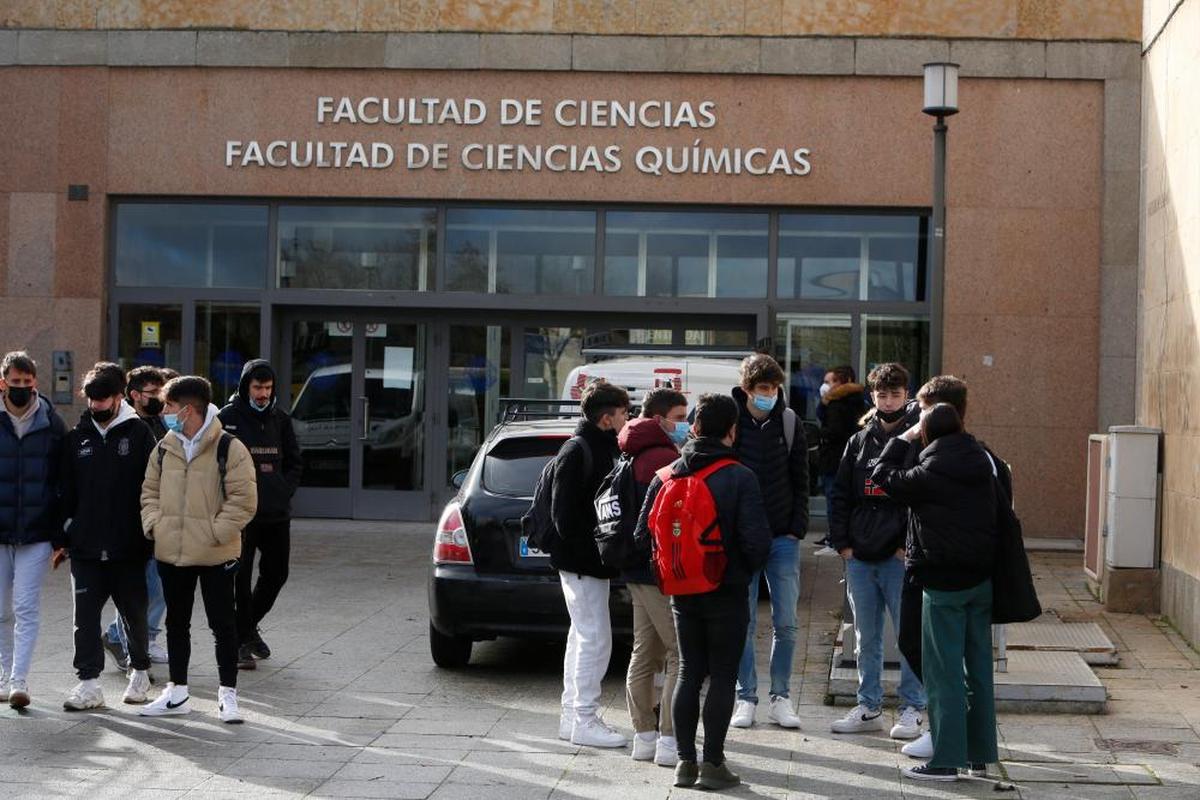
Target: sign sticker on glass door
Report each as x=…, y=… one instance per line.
x=397, y=367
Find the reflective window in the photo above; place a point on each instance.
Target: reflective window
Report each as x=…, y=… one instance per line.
x=808, y=346
x=356, y=247
x=904, y=340
x=321, y=364
x=513, y=466
x=479, y=377
x=226, y=338
x=191, y=244
x=551, y=357
x=520, y=251
x=685, y=254
x=150, y=335
x=851, y=257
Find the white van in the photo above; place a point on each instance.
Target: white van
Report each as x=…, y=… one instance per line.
x=693, y=376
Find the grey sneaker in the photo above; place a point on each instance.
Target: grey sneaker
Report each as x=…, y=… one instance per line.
x=686, y=773
x=117, y=651
x=717, y=777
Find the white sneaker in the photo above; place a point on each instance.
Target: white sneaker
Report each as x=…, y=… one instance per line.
x=594, y=732
x=565, y=723
x=158, y=653
x=666, y=753
x=86, y=694
x=18, y=694
x=743, y=714
x=139, y=685
x=781, y=713
x=909, y=724
x=645, y=745
x=172, y=702
x=227, y=707
x=860, y=719
x=921, y=747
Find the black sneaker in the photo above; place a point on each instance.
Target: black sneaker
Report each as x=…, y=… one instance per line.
x=716, y=777
x=117, y=652
x=258, y=647
x=246, y=657
x=928, y=773
x=686, y=773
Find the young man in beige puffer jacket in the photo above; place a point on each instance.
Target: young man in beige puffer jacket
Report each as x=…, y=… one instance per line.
x=195, y=517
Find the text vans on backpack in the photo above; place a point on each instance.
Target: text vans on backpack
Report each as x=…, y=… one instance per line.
x=616, y=514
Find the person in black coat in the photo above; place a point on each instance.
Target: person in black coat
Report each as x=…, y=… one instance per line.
x=581, y=465
x=103, y=464
x=711, y=626
x=254, y=417
x=31, y=436
x=770, y=442
x=840, y=410
x=952, y=496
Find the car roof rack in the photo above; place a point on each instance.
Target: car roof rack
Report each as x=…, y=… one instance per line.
x=513, y=409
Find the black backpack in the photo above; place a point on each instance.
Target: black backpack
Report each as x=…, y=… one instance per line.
x=617, y=510
x=537, y=525
x=222, y=458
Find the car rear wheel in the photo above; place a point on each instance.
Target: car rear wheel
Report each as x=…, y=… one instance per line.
x=449, y=652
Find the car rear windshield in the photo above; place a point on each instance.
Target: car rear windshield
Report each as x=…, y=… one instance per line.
x=512, y=467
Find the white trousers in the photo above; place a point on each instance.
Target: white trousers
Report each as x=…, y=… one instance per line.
x=22, y=569
x=589, y=644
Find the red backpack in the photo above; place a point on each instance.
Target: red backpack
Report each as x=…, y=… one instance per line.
x=687, y=552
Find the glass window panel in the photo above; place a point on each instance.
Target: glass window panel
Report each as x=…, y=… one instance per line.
x=717, y=338
x=394, y=449
x=686, y=254
x=356, y=247
x=892, y=264
x=480, y=375
x=550, y=355
x=191, y=244
x=520, y=251
x=904, y=340
x=808, y=346
x=321, y=362
x=227, y=336
x=828, y=268
x=150, y=335
x=821, y=257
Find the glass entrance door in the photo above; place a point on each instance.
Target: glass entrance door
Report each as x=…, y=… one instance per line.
x=356, y=388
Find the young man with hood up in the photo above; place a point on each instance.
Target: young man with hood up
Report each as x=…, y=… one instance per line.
x=254, y=417
x=103, y=466
x=198, y=494
x=867, y=529
x=652, y=441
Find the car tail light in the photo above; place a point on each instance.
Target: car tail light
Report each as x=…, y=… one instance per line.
x=450, y=546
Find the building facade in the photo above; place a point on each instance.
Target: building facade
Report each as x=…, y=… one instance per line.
x=415, y=209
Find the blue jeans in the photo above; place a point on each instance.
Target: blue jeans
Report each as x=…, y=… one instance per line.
x=783, y=580
x=156, y=610
x=874, y=587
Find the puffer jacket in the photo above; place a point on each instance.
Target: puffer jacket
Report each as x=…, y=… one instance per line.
x=744, y=531
x=271, y=440
x=862, y=516
x=842, y=406
x=29, y=477
x=952, y=502
x=782, y=475
x=651, y=449
x=183, y=509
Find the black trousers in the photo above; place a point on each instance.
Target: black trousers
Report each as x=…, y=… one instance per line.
x=94, y=582
x=711, y=631
x=274, y=541
x=216, y=588
x=909, y=635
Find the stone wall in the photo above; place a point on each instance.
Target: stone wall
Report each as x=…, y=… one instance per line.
x=1169, y=390
x=988, y=19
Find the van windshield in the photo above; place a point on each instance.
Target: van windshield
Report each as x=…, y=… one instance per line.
x=512, y=467
x=324, y=397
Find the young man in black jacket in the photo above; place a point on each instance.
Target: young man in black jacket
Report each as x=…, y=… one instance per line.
x=581, y=465
x=770, y=442
x=840, y=410
x=711, y=627
x=266, y=430
x=103, y=464
x=867, y=528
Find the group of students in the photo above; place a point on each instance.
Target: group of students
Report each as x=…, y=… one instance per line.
x=153, y=492
x=721, y=501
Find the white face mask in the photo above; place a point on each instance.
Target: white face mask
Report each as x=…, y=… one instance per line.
x=825, y=387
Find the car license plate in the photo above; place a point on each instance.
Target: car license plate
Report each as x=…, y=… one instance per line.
x=529, y=552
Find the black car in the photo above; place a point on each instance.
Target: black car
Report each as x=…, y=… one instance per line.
x=486, y=581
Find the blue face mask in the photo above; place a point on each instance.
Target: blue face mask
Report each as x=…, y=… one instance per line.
x=765, y=403
x=265, y=404
x=172, y=422
x=680, y=434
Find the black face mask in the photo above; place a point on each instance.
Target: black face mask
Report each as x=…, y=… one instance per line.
x=153, y=407
x=20, y=396
x=891, y=416
x=103, y=416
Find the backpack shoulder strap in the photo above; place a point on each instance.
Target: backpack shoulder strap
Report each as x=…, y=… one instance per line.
x=789, y=427
x=716, y=466
x=162, y=453
x=223, y=458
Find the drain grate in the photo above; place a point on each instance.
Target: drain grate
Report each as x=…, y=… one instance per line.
x=1139, y=746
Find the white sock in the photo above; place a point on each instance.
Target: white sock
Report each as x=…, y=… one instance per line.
x=647, y=736
x=91, y=683
x=179, y=693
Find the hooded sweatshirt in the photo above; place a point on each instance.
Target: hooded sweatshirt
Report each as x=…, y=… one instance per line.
x=745, y=534
x=269, y=436
x=651, y=449
x=102, y=472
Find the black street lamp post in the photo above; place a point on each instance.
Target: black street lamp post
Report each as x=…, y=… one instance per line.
x=941, y=101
